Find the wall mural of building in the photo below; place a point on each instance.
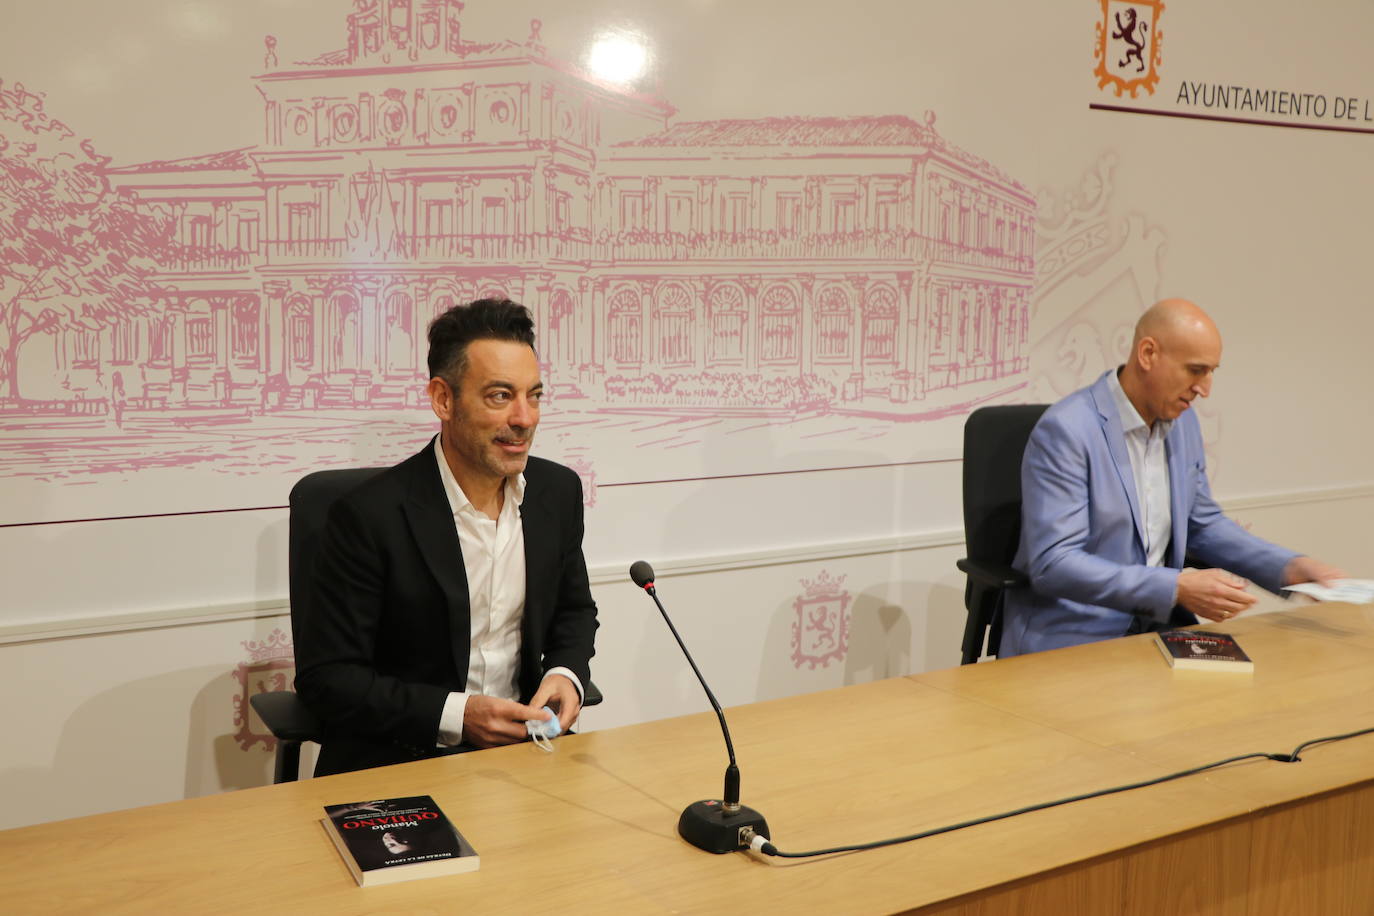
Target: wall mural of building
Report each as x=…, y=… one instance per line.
x=787, y=266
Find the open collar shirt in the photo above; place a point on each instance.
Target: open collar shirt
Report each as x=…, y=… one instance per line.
x=1150, y=469
x=493, y=557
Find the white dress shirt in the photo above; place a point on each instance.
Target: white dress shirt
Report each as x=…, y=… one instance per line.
x=493, y=556
x=1150, y=468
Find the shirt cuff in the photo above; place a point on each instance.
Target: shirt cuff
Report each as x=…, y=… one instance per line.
x=451, y=720
x=567, y=673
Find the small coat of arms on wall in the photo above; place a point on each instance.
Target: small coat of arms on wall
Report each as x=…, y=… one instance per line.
x=820, y=634
x=271, y=666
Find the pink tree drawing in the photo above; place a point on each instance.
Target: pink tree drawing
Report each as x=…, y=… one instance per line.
x=73, y=254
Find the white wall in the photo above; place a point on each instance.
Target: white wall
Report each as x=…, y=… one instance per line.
x=121, y=637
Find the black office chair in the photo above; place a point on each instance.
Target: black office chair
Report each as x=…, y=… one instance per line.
x=290, y=722
x=994, y=441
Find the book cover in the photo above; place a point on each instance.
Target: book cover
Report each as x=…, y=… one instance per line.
x=1200, y=650
x=397, y=839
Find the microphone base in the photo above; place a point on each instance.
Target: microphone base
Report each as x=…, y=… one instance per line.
x=707, y=825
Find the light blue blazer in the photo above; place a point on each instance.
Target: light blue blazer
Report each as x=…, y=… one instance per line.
x=1082, y=536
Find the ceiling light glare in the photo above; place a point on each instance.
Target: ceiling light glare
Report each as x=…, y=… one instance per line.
x=618, y=57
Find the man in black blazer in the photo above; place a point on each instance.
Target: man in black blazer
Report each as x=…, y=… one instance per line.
x=450, y=595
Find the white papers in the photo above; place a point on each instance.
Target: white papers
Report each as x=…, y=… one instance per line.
x=1355, y=591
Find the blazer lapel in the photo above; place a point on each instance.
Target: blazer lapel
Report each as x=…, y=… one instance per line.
x=1116, y=445
x=1178, y=496
x=431, y=522
x=538, y=528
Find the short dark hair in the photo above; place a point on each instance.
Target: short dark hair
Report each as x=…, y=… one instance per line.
x=484, y=319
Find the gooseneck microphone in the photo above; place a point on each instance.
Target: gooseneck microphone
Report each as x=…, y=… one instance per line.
x=715, y=825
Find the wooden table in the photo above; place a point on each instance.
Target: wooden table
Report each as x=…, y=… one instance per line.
x=592, y=827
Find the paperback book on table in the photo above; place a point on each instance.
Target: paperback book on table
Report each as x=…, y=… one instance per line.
x=1200, y=650
x=398, y=839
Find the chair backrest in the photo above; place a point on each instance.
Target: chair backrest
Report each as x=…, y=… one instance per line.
x=310, y=500
x=994, y=443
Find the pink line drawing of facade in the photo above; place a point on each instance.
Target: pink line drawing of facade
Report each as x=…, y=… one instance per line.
x=793, y=265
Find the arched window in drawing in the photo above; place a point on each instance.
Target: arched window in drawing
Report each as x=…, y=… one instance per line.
x=885, y=210
x=675, y=326
x=160, y=340
x=780, y=325
x=245, y=331
x=939, y=322
x=1008, y=325
x=789, y=216
x=439, y=225
x=834, y=322
x=631, y=210
x=200, y=333
x=494, y=228
x=343, y=340
x=300, y=332
x=400, y=332
x=198, y=233
x=678, y=214
x=734, y=212
x=248, y=233
x=562, y=212
x=844, y=209
x=961, y=322
x=562, y=329
x=729, y=318
x=626, y=320
x=880, y=324
x=302, y=229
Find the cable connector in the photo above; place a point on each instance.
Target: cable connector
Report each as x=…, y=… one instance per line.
x=755, y=841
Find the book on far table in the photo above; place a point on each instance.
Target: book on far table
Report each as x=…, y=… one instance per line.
x=397, y=839
x=1201, y=650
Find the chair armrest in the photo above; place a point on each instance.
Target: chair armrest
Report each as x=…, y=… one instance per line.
x=993, y=575
x=591, y=695
x=286, y=716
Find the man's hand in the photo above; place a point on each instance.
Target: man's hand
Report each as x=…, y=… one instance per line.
x=559, y=694
x=1213, y=594
x=491, y=722
x=1308, y=569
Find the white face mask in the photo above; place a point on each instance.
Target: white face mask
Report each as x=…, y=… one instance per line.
x=543, y=731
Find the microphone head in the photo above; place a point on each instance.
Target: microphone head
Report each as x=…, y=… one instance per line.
x=642, y=574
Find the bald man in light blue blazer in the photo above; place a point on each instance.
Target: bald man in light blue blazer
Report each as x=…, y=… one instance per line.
x=1115, y=495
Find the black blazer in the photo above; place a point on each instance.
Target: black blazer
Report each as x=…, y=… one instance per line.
x=387, y=635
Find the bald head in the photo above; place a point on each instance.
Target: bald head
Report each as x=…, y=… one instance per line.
x=1172, y=321
x=1175, y=350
